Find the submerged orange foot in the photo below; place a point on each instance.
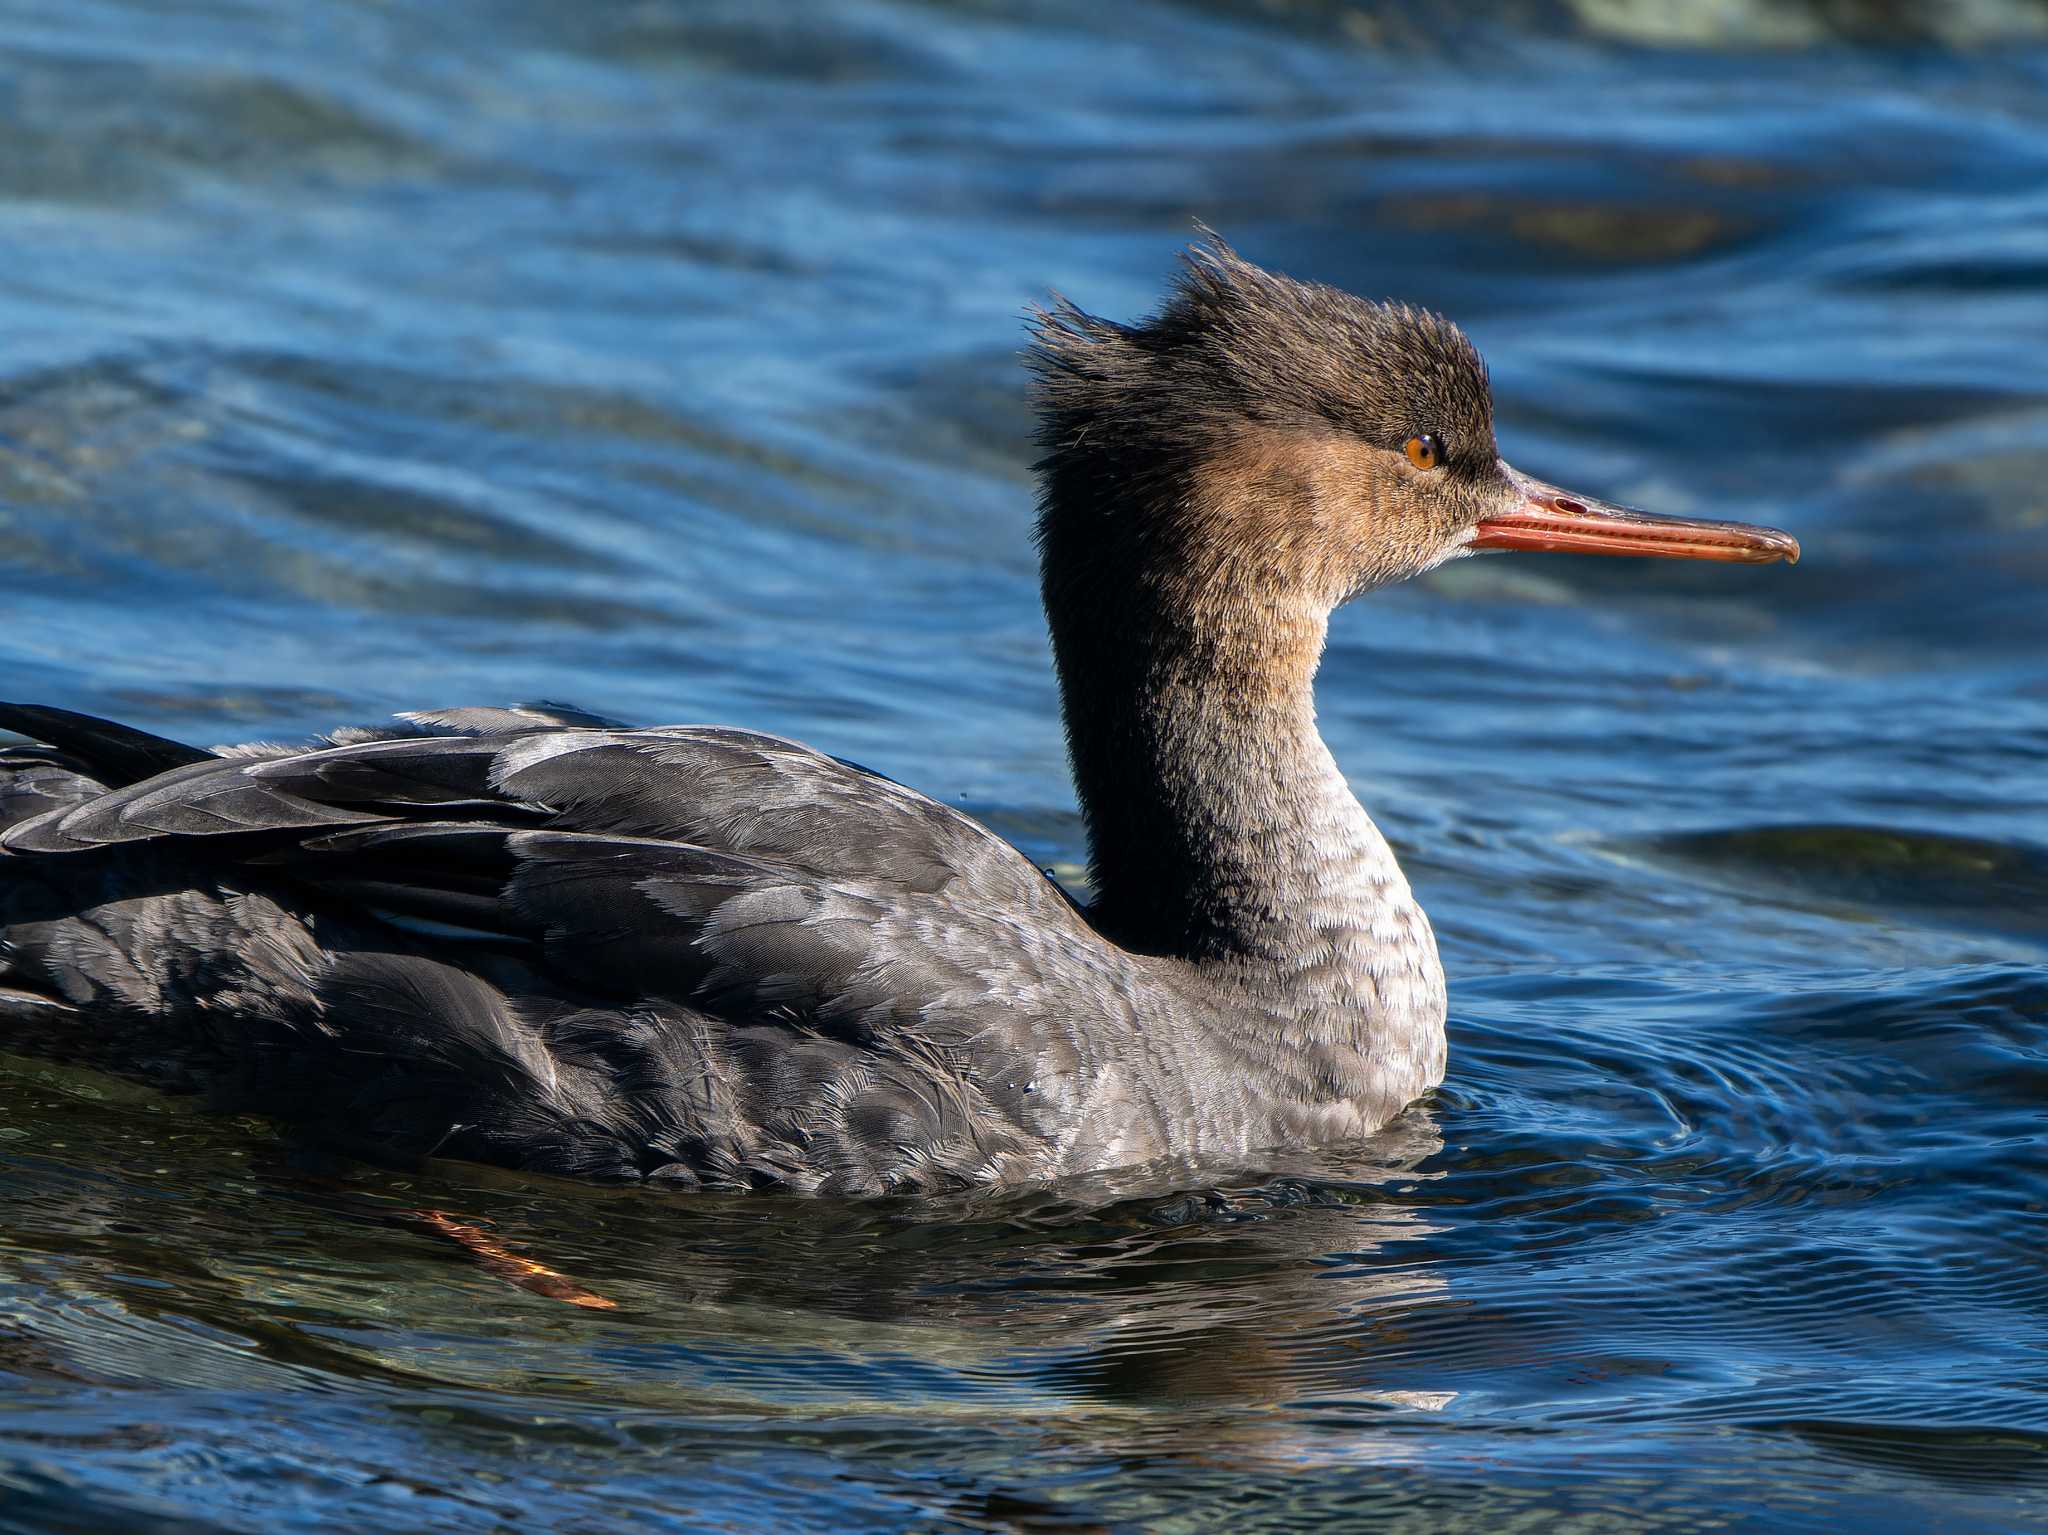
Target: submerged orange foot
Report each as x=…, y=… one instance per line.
x=508, y=1265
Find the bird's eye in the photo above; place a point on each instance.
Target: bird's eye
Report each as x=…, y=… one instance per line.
x=1424, y=451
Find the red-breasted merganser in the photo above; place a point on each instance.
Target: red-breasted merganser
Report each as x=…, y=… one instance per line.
x=702, y=956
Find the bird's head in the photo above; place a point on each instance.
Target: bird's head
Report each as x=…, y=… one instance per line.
x=1263, y=437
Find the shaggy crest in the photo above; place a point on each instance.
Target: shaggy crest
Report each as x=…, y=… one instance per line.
x=1236, y=344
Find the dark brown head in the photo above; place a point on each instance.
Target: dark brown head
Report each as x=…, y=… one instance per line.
x=1283, y=442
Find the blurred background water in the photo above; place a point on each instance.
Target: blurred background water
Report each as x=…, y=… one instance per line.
x=662, y=357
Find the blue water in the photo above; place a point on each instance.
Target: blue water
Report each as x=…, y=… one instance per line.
x=662, y=357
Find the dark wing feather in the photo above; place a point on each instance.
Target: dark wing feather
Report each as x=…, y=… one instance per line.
x=35, y=780
x=734, y=791
x=116, y=755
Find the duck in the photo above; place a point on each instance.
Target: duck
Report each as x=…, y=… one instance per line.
x=697, y=956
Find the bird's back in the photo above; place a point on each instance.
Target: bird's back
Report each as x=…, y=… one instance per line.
x=536, y=938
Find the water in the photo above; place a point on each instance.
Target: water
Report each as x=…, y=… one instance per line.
x=662, y=357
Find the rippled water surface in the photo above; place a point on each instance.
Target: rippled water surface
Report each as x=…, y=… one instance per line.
x=661, y=357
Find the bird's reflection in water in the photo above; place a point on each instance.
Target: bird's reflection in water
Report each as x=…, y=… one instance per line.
x=1162, y=1315
x=1246, y=1301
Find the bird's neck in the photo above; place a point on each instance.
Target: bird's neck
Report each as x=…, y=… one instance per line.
x=1220, y=829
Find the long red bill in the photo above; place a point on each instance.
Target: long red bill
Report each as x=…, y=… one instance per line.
x=1546, y=518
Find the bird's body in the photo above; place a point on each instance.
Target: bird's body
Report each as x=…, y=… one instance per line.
x=704, y=956
x=689, y=954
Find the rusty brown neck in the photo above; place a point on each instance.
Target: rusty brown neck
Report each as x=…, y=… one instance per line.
x=1220, y=829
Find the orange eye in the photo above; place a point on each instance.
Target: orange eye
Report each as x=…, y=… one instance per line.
x=1423, y=451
